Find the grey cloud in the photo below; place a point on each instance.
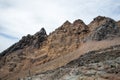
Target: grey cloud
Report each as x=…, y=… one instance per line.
x=8, y=36
x=5, y=4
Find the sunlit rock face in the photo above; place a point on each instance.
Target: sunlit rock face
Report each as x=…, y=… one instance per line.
x=73, y=51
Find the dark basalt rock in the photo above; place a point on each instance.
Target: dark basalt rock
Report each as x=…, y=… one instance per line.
x=29, y=40
x=107, y=30
x=39, y=38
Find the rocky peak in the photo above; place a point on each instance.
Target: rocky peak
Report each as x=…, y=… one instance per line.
x=80, y=25
x=42, y=32
x=102, y=18
x=63, y=28
x=39, y=38
x=104, y=28
x=99, y=18
x=66, y=23
x=99, y=21
x=27, y=41
x=78, y=22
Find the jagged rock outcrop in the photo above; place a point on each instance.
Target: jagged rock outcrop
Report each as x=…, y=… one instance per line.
x=39, y=38
x=41, y=52
x=27, y=41
x=102, y=28
x=106, y=30
x=98, y=21
x=67, y=37
x=17, y=57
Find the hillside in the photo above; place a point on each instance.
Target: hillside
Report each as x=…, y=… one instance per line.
x=103, y=64
x=76, y=42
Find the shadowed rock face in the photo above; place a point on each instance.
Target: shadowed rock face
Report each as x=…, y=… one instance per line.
x=106, y=30
x=39, y=49
x=39, y=38
x=98, y=21
x=103, y=28
x=27, y=41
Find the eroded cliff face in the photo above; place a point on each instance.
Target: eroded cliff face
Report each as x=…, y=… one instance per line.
x=18, y=56
x=34, y=51
x=101, y=64
x=103, y=28
x=33, y=41
x=67, y=38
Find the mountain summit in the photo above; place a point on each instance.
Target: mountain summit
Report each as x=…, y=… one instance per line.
x=28, y=41
x=74, y=51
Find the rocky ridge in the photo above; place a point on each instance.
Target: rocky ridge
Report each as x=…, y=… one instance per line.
x=26, y=41
x=40, y=48
x=103, y=28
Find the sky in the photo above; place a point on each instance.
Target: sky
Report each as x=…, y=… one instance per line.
x=21, y=17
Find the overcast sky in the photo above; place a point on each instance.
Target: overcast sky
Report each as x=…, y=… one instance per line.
x=21, y=17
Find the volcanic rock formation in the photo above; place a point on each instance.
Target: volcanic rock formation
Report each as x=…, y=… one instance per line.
x=70, y=45
x=103, y=28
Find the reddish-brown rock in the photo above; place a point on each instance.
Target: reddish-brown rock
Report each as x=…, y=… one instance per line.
x=40, y=52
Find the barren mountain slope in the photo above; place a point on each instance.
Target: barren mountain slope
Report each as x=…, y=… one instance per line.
x=102, y=64
x=40, y=52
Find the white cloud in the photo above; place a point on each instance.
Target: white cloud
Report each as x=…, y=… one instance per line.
x=22, y=17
